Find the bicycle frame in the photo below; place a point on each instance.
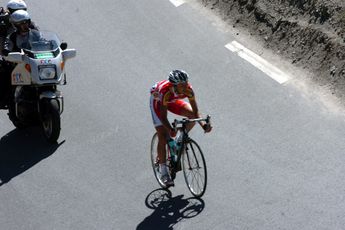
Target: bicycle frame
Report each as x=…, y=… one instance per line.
x=185, y=136
x=190, y=159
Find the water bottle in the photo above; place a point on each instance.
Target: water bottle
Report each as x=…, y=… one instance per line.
x=179, y=142
x=172, y=147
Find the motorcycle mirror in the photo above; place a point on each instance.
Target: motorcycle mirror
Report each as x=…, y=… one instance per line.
x=63, y=45
x=69, y=53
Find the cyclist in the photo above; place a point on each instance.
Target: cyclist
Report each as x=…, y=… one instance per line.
x=168, y=95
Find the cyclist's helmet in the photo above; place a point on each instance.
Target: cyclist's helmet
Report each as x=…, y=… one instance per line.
x=14, y=5
x=178, y=76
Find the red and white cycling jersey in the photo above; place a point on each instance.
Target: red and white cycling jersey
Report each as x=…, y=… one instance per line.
x=164, y=94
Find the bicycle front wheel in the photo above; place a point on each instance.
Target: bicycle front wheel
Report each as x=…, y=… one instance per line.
x=194, y=168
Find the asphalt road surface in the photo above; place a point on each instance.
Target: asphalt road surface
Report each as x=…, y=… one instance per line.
x=275, y=157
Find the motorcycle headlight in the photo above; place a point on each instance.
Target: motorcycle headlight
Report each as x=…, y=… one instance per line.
x=47, y=72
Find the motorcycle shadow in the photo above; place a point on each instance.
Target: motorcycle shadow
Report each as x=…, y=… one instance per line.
x=20, y=150
x=168, y=210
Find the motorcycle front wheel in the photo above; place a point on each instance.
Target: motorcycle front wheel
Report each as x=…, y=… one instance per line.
x=51, y=122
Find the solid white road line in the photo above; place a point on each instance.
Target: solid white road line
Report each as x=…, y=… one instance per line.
x=177, y=3
x=258, y=62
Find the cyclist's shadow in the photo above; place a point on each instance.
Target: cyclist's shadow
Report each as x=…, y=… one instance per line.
x=22, y=149
x=168, y=210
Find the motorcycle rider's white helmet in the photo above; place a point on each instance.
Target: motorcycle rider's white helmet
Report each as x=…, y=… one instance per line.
x=14, y=5
x=19, y=17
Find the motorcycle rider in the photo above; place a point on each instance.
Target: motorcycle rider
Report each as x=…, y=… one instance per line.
x=18, y=39
x=15, y=42
x=4, y=26
x=7, y=28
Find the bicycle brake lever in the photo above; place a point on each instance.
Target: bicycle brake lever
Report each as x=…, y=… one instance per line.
x=208, y=119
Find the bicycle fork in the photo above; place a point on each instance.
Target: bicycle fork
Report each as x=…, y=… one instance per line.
x=188, y=157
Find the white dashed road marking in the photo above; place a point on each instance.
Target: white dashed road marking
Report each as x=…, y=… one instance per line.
x=177, y=3
x=258, y=62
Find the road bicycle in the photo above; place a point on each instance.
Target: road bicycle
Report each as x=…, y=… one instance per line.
x=190, y=158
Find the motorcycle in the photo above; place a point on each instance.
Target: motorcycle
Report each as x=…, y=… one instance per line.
x=39, y=69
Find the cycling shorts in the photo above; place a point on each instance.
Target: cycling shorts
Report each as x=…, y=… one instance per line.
x=175, y=107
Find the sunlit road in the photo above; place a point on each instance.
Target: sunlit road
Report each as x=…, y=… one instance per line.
x=275, y=158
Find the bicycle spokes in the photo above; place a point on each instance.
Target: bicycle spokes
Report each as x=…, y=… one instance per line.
x=190, y=159
x=194, y=168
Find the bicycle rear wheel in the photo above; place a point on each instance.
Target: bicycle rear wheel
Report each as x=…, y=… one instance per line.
x=194, y=168
x=154, y=160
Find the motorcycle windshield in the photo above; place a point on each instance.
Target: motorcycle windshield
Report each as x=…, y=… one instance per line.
x=41, y=42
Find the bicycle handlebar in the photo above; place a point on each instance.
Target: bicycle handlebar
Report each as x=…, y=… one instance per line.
x=186, y=121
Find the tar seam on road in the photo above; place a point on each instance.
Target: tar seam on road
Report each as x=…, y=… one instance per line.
x=258, y=62
x=177, y=3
